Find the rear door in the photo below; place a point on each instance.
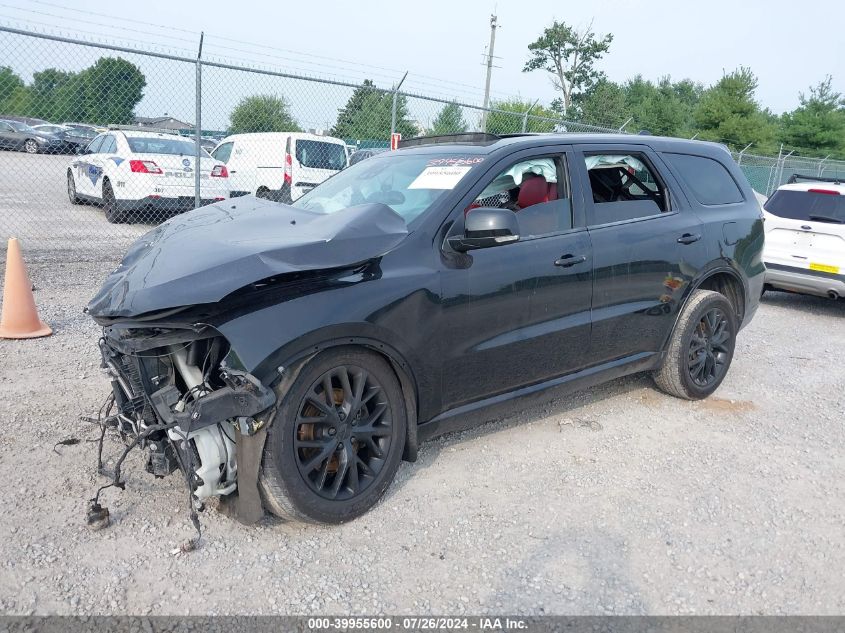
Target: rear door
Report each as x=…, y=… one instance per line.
x=647, y=246
x=806, y=229
x=314, y=161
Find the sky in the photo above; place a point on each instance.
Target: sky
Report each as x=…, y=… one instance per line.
x=441, y=43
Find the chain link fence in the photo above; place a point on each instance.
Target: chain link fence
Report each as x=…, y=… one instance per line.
x=84, y=175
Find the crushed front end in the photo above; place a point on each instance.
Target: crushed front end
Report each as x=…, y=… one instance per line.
x=180, y=395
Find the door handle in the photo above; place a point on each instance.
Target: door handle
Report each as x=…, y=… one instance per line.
x=689, y=238
x=570, y=260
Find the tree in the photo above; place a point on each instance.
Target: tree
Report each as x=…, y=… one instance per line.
x=450, y=120
x=818, y=124
x=665, y=108
x=45, y=92
x=109, y=91
x=729, y=113
x=500, y=121
x=262, y=113
x=604, y=105
x=570, y=55
x=12, y=92
x=368, y=113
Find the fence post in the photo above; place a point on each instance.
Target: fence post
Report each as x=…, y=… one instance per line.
x=782, y=164
x=198, y=128
x=744, y=149
x=525, y=116
x=393, y=110
x=625, y=124
x=821, y=165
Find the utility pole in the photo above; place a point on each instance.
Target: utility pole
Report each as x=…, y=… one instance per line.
x=493, y=27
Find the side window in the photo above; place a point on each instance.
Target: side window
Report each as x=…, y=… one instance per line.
x=223, y=152
x=535, y=190
x=624, y=187
x=95, y=145
x=709, y=181
x=5, y=127
x=109, y=146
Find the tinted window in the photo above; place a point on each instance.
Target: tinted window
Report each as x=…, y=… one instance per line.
x=223, y=152
x=95, y=145
x=709, y=181
x=20, y=127
x=624, y=187
x=531, y=189
x=5, y=126
x=109, y=146
x=160, y=145
x=320, y=155
x=807, y=205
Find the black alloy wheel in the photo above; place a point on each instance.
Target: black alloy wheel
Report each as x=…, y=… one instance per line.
x=336, y=438
x=709, y=353
x=343, y=431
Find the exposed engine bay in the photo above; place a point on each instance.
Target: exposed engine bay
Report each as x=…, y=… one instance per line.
x=177, y=396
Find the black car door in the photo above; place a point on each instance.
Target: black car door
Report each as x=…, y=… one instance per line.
x=511, y=317
x=647, y=247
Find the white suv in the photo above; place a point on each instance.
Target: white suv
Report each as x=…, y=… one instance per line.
x=805, y=237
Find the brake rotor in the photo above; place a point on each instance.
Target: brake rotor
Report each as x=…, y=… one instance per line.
x=306, y=432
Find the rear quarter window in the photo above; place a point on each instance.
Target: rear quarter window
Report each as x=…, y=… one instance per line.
x=708, y=180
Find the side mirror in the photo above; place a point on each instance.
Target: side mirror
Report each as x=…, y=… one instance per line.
x=485, y=227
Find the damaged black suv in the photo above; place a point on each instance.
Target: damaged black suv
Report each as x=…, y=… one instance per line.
x=289, y=356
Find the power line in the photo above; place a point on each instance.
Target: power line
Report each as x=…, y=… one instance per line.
x=469, y=89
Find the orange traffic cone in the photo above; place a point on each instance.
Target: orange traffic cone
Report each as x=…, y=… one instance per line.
x=19, y=317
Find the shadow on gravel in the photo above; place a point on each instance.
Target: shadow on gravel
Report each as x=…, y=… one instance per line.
x=808, y=303
x=524, y=411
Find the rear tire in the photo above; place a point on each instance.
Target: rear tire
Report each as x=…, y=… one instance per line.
x=701, y=348
x=71, y=190
x=336, y=439
x=112, y=207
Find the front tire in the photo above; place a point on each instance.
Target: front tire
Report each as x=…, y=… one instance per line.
x=30, y=146
x=71, y=190
x=336, y=439
x=112, y=207
x=701, y=348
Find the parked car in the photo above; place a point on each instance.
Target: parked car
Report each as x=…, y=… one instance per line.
x=805, y=237
x=363, y=154
x=280, y=165
x=321, y=342
x=72, y=140
x=20, y=136
x=133, y=171
x=85, y=131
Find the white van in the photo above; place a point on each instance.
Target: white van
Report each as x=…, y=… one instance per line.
x=279, y=165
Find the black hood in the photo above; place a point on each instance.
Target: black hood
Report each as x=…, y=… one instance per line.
x=203, y=255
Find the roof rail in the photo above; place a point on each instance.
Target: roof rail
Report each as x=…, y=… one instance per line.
x=796, y=177
x=142, y=128
x=463, y=138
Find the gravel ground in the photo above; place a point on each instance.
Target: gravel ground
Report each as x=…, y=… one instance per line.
x=619, y=500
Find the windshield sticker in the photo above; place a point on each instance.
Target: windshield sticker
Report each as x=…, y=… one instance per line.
x=445, y=177
x=455, y=160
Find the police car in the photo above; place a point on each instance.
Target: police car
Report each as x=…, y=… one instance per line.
x=138, y=174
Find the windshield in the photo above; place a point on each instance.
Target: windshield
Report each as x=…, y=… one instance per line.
x=159, y=145
x=808, y=205
x=320, y=155
x=408, y=184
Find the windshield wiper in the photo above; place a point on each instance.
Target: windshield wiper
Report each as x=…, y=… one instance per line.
x=827, y=218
